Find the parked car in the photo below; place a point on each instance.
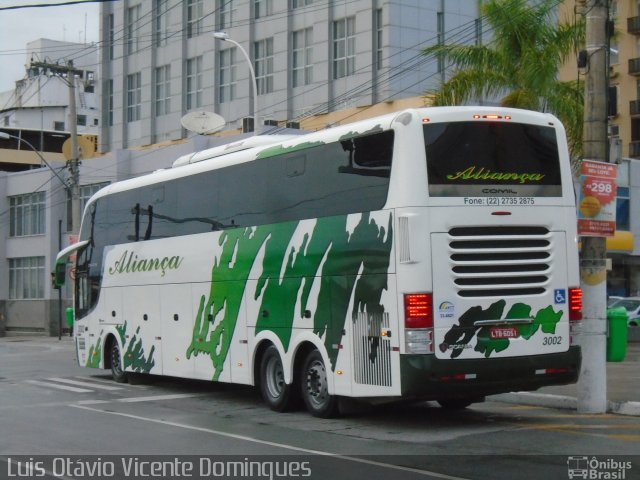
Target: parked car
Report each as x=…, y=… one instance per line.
x=611, y=300
x=632, y=306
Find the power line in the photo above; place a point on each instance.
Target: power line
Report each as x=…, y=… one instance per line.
x=44, y=5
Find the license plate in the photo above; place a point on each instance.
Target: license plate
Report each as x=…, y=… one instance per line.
x=503, y=332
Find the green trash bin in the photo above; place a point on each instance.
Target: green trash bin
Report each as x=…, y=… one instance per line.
x=69, y=313
x=617, y=338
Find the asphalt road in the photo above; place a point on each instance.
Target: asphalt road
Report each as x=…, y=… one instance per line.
x=55, y=415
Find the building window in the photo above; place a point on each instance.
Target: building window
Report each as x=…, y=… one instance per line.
x=162, y=79
x=57, y=126
x=378, y=38
x=263, y=55
x=132, y=38
x=161, y=22
x=478, y=24
x=300, y=3
x=134, y=96
x=227, y=13
x=26, y=278
x=227, y=75
x=85, y=193
x=302, y=64
x=440, y=23
x=26, y=215
x=109, y=88
x=195, y=12
x=194, y=82
x=112, y=33
x=622, y=209
x=262, y=8
x=344, y=47
x=81, y=120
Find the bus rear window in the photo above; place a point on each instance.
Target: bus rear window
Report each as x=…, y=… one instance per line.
x=492, y=158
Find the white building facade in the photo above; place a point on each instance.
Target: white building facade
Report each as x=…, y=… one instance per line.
x=160, y=59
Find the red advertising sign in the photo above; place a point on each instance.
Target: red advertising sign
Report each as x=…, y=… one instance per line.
x=597, y=200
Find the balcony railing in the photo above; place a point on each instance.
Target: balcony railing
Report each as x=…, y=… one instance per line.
x=634, y=149
x=633, y=25
x=634, y=66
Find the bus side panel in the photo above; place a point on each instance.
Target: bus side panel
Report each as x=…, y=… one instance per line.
x=141, y=313
x=177, y=328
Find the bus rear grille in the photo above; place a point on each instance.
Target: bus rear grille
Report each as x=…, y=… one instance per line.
x=500, y=261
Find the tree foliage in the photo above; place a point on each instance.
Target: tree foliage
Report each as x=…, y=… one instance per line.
x=520, y=65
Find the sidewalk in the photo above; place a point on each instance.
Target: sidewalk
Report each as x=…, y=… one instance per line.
x=623, y=388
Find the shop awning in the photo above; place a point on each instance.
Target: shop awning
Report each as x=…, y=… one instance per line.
x=621, y=242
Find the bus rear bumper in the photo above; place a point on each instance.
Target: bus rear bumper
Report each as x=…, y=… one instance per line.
x=428, y=377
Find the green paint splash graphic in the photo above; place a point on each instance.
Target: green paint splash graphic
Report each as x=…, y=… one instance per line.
x=95, y=355
x=367, y=248
x=134, y=356
x=460, y=335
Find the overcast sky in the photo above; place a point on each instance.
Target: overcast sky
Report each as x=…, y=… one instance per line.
x=18, y=27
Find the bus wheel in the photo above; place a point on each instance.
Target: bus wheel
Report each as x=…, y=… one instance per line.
x=315, y=391
x=117, y=372
x=275, y=392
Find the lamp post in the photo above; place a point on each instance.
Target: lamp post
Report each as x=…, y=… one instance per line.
x=7, y=136
x=224, y=36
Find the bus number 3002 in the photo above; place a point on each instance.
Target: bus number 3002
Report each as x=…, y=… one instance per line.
x=552, y=340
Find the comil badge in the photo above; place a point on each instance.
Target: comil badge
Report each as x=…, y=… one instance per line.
x=446, y=310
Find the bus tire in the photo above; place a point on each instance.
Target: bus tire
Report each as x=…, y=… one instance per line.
x=315, y=387
x=117, y=371
x=276, y=393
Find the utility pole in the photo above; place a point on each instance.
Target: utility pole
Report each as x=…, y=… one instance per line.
x=74, y=170
x=592, y=386
x=73, y=163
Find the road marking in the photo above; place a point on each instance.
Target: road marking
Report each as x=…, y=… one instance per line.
x=109, y=382
x=83, y=384
x=285, y=446
x=59, y=387
x=176, y=396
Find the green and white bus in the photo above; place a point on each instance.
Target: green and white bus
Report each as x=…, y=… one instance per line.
x=428, y=254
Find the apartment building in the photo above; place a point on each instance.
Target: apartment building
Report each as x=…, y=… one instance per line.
x=160, y=59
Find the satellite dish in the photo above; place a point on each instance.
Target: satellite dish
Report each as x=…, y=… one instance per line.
x=86, y=148
x=203, y=122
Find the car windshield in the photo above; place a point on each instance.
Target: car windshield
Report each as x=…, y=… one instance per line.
x=629, y=305
x=613, y=301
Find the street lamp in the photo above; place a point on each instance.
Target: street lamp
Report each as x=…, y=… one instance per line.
x=7, y=136
x=224, y=36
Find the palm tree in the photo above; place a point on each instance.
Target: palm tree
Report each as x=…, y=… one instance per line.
x=520, y=65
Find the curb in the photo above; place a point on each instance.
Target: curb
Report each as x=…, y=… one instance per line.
x=563, y=402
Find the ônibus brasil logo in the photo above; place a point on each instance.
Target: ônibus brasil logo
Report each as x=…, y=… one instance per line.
x=593, y=468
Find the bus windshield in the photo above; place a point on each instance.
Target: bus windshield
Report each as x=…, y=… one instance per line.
x=477, y=158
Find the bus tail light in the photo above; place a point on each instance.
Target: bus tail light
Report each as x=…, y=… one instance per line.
x=575, y=304
x=418, y=323
x=418, y=310
x=575, y=313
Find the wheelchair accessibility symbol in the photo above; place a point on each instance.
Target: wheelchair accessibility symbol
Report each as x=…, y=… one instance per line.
x=560, y=296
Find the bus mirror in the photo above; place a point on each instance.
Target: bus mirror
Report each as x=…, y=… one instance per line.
x=58, y=276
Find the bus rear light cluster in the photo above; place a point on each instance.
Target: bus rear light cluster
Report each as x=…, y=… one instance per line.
x=575, y=304
x=418, y=323
x=418, y=310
